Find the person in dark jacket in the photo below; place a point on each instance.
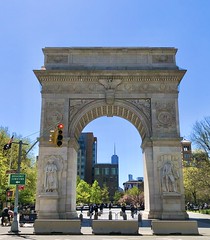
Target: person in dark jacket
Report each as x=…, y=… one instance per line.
x=5, y=213
x=123, y=208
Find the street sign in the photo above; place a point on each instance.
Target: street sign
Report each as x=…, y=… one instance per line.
x=11, y=171
x=18, y=178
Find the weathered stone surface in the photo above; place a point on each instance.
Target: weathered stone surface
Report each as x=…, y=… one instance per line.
x=137, y=84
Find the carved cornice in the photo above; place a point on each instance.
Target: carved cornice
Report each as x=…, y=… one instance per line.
x=49, y=76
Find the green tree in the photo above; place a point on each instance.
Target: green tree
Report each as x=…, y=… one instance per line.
x=95, y=193
x=197, y=181
x=83, y=192
x=191, y=184
x=105, y=194
x=117, y=196
x=8, y=160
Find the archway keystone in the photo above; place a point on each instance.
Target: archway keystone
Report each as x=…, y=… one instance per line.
x=137, y=84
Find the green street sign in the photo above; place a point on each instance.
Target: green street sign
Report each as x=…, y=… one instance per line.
x=17, y=178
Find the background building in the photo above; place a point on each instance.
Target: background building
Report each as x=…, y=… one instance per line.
x=87, y=157
x=139, y=183
x=130, y=177
x=107, y=174
x=186, y=151
x=114, y=158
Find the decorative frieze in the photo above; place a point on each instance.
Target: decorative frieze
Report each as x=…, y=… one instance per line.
x=163, y=59
x=56, y=59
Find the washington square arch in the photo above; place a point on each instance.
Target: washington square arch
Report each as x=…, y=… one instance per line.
x=137, y=84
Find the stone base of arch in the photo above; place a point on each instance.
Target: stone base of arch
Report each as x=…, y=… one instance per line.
x=171, y=207
x=48, y=206
x=165, y=215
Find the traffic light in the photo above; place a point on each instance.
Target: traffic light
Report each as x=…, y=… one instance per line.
x=9, y=144
x=59, y=135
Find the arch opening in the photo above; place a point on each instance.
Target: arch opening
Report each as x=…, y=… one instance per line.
x=117, y=135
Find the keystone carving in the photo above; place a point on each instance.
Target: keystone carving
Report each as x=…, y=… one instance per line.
x=110, y=85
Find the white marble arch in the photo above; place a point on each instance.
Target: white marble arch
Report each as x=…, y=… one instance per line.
x=137, y=84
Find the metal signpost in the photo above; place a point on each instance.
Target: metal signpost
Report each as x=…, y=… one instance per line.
x=17, y=179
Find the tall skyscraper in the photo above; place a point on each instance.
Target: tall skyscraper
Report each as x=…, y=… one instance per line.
x=87, y=157
x=114, y=158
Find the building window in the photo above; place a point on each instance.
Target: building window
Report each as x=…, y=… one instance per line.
x=105, y=171
x=97, y=171
x=186, y=148
x=186, y=155
x=113, y=171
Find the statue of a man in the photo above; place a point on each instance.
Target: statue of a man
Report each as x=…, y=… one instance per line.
x=50, y=180
x=169, y=177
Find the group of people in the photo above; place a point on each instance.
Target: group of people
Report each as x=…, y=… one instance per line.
x=132, y=208
x=95, y=208
x=6, y=216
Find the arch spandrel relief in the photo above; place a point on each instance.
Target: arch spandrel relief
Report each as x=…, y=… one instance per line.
x=53, y=114
x=144, y=105
x=166, y=122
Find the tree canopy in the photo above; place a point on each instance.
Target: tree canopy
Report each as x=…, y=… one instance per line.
x=9, y=160
x=200, y=135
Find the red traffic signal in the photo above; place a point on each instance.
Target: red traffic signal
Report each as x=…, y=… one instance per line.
x=60, y=134
x=60, y=126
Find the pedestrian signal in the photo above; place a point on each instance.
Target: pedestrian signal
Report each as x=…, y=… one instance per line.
x=52, y=136
x=9, y=194
x=60, y=134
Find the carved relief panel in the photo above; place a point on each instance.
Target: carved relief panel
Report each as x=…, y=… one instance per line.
x=52, y=167
x=169, y=173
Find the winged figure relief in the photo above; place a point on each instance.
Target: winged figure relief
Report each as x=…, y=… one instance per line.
x=110, y=83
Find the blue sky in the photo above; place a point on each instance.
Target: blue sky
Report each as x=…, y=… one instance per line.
x=28, y=26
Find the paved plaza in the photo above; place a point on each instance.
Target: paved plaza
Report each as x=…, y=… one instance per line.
x=145, y=232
